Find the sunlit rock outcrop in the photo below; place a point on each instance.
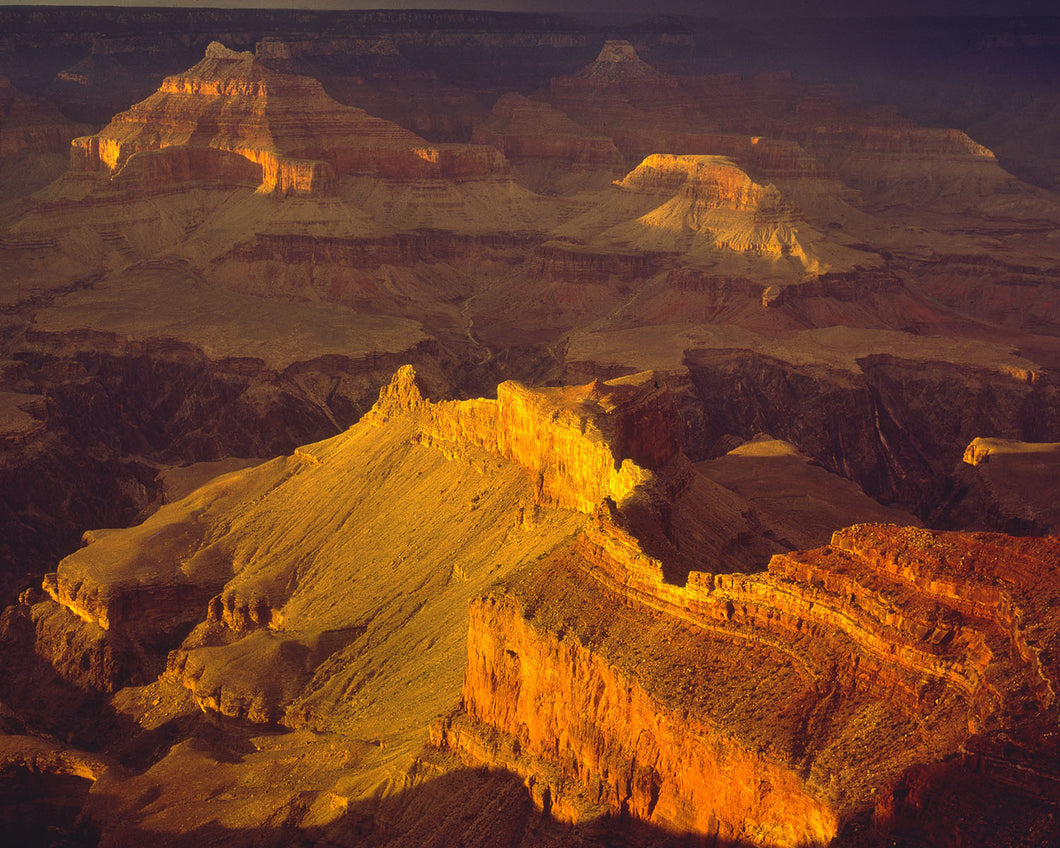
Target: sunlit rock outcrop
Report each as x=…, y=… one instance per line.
x=300, y=139
x=232, y=556
x=580, y=444
x=549, y=560
x=621, y=609
x=708, y=210
x=1010, y=481
x=886, y=631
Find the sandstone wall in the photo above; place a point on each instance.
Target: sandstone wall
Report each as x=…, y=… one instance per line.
x=567, y=704
x=930, y=624
x=553, y=434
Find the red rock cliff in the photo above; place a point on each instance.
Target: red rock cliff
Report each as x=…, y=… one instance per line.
x=622, y=690
x=286, y=125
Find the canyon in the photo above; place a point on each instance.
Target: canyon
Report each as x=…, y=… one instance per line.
x=645, y=442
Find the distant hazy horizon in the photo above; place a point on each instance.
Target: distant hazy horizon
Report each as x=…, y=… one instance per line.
x=705, y=8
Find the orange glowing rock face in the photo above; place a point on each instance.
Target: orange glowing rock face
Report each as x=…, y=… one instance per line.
x=556, y=434
x=300, y=140
x=857, y=647
x=544, y=554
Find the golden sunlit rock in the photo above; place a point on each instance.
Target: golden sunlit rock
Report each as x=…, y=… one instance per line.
x=231, y=118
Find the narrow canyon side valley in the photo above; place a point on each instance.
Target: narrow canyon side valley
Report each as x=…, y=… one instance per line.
x=485, y=429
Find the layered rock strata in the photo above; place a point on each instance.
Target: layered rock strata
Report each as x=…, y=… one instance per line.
x=340, y=614
x=31, y=124
x=522, y=128
x=909, y=163
x=202, y=559
x=868, y=638
x=580, y=444
x=711, y=213
x=610, y=656
x=300, y=140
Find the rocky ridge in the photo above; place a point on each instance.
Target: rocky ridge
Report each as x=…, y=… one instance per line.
x=893, y=647
x=859, y=626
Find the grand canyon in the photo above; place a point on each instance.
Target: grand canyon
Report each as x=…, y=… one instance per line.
x=489, y=429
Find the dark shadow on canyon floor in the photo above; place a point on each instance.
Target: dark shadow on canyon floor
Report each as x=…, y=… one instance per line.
x=469, y=808
x=945, y=805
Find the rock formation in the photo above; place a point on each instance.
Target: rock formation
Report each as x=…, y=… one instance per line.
x=1010, y=481
x=610, y=664
x=912, y=164
x=868, y=639
x=667, y=536
x=107, y=81
x=618, y=72
x=236, y=119
x=523, y=128
x=717, y=200
x=31, y=125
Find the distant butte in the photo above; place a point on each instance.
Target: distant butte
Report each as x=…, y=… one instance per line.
x=230, y=117
x=618, y=64
x=31, y=124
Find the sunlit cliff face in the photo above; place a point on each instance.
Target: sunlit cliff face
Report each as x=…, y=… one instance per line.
x=301, y=138
x=848, y=624
x=768, y=707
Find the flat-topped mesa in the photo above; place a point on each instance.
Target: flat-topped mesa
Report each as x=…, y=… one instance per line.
x=831, y=616
x=904, y=140
x=765, y=157
x=783, y=159
x=297, y=137
x=909, y=164
x=581, y=444
x=714, y=182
